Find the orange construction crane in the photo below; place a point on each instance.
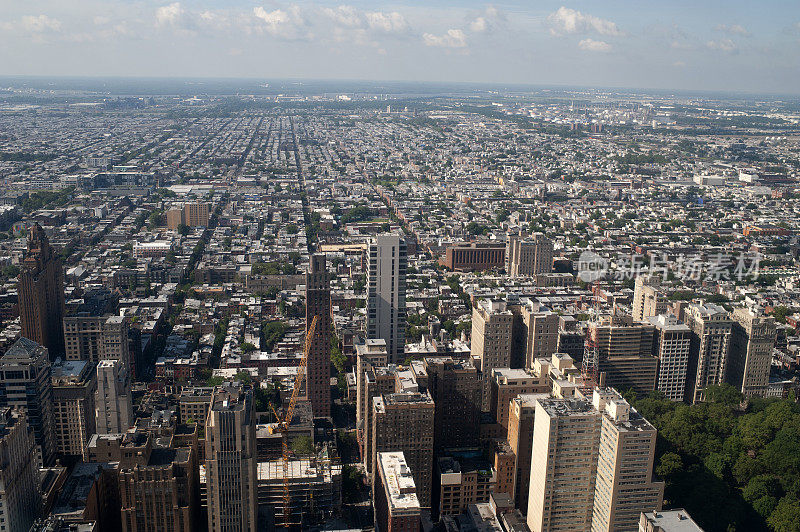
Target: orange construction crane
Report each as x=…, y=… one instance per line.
x=283, y=424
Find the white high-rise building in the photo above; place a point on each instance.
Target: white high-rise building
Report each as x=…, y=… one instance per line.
x=113, y=399
x=386, y=293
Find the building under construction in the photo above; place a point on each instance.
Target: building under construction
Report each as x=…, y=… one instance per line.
x=315, y=488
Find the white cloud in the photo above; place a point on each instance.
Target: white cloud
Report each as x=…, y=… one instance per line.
x=479, y=25
x=392, y=22
x=287, y=24
x=39, y=24
x=570, y=21
x=452, y=39
x=723, y=45
x=594, y=46
x=350, y=17
x=733, y=29
x=347, y=16
x=169, y=15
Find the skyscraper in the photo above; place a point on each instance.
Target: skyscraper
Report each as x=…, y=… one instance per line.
x=158, y=484
x=624, y=353
x=529, y=256
x=521, y=416
x=397, y=507
x=318, y=303
x=624, y=487
x=711, y=328
x=491, y=341
x=750, y=358
x=386, y=293
x=671, y=346
x=538, y=331
x=41, y=294
x=404, y=422
x=231, y=456
x=455, y=388
x=25, y=383
x=113, y=398
x=648, y=300
x=20, y=500
x=566, y=436
x=74, y=386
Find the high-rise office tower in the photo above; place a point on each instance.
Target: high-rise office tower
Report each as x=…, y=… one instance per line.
x=752, y=341
x=25, y=383
x=20, y=500
x=621, y=351
x=711, y=328
x=397, y=507
x=671, y=344
x=386, y=293
x=158, y=484
x=566, y=437
x=455, y=387
x=624, y=487
x=231, y=475
x=526, y=256
x=491, y=341
x=648, y=300
x=113, y=398
x=318, y=304
x=41, y=294
x=404, y=422
x=74, y=386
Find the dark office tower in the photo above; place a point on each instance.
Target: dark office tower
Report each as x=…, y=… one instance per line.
x=455, y=388
x=25, y=383
x=41, y=294
x=318, y=303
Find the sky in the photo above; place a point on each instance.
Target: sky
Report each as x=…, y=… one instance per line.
x=733, y=45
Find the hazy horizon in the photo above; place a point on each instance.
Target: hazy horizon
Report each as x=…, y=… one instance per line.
x=734, y=46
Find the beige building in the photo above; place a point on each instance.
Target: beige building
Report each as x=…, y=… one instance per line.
x=624, y=487
x=371, y=353
x=648, y=300
x=404, y=422
x=74, y=386
x=491, y=341
x=672, y=341
x=711, y=328
x=537, y=335
x=521, y=415
x=566, y=437
x=506, y=384
x=377, y=381
x=527, y=256
x=750, y=358
x=231, y=461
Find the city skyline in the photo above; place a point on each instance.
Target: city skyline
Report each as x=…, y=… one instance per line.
x=681, y=46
